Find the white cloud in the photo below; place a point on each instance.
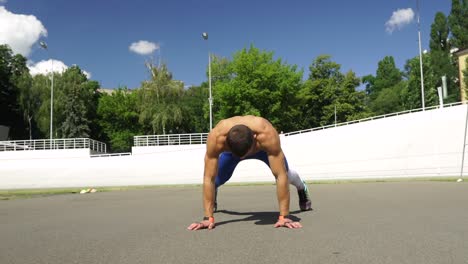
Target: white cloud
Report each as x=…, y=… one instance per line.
x=399, y=19
x=3, y=1
x=19, y=31
x=45, y=67
x=88, y=74
x=143, y=47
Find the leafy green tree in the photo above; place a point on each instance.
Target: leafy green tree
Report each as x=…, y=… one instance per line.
x=351, y=101
x=383, y=89
x=90, y=97
x=442, y=63
x=75, y=100
x=387, y=76
x=118, y=117
x=220, y=70
x=12, y=67
x=465, y=76
x=390, y=100
x=41, y=87
x=326, y=89
x=159, y=99
x=320, y=90
x=458, y=21
x=29, y=100
x=369, y=82
x=412, y=93
x=75, y=124
x=253, y=83
x=75, y=104
x=439, y=33
x=195, y=109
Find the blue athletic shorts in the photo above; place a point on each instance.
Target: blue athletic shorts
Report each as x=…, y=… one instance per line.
x=227, y=162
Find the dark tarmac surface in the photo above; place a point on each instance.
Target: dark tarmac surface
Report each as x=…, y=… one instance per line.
x=393, y=222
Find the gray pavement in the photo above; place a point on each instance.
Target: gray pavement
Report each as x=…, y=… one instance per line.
x=397, y=222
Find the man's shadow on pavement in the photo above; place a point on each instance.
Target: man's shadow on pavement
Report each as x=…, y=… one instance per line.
x=260, y=218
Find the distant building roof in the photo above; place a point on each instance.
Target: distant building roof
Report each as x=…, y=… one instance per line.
x=461, y=52
x=106, y=90
x=110, y=91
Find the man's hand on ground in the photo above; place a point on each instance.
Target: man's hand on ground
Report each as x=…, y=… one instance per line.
x=201, y=225
x=286, y=222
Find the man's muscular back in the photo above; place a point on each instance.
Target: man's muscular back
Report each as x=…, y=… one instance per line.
x=265, y=135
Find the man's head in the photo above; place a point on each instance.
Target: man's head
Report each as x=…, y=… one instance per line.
x=240, y=140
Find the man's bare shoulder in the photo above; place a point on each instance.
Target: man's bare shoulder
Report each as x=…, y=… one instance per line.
x=256, y=123
x=222, y=128
x=217, y=138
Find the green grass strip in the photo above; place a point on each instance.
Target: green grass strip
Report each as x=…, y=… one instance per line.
x=33, y=193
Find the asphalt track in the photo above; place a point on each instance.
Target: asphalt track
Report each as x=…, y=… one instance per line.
x=393, y=222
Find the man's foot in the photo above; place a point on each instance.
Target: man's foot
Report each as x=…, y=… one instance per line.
x=304, y=199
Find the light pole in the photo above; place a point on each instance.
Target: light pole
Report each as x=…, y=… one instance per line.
x=44, y=46
x=420, y=58
x=210, y=99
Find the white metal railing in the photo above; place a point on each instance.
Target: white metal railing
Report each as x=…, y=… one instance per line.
x=200, y=138
x=369, y=119
x=47, y=144
x=111, y=155
x=170, y=139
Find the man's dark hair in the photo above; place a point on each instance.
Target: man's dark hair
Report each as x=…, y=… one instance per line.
x=240, y=139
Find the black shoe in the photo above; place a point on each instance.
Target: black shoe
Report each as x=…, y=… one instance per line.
x=304, y=199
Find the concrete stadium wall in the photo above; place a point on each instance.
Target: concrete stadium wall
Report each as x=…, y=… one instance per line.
x=44, y=154
x=421, y=144
x=426, y=143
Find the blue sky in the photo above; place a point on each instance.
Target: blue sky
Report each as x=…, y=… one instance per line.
x=97, y=35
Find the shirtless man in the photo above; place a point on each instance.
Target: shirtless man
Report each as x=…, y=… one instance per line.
x=248, y=137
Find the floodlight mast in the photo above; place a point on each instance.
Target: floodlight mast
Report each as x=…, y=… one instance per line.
x=420, y=58
x=45, y=47
x=210, y=99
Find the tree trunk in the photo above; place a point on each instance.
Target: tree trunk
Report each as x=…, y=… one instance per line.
x=30, y=129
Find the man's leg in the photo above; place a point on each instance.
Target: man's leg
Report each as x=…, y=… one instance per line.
x=302, y=190
x=294, y=179
x=226, y=165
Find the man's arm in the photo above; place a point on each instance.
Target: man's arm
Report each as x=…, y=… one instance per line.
x=211, y=167
x=278, y=168
x=270, y=142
